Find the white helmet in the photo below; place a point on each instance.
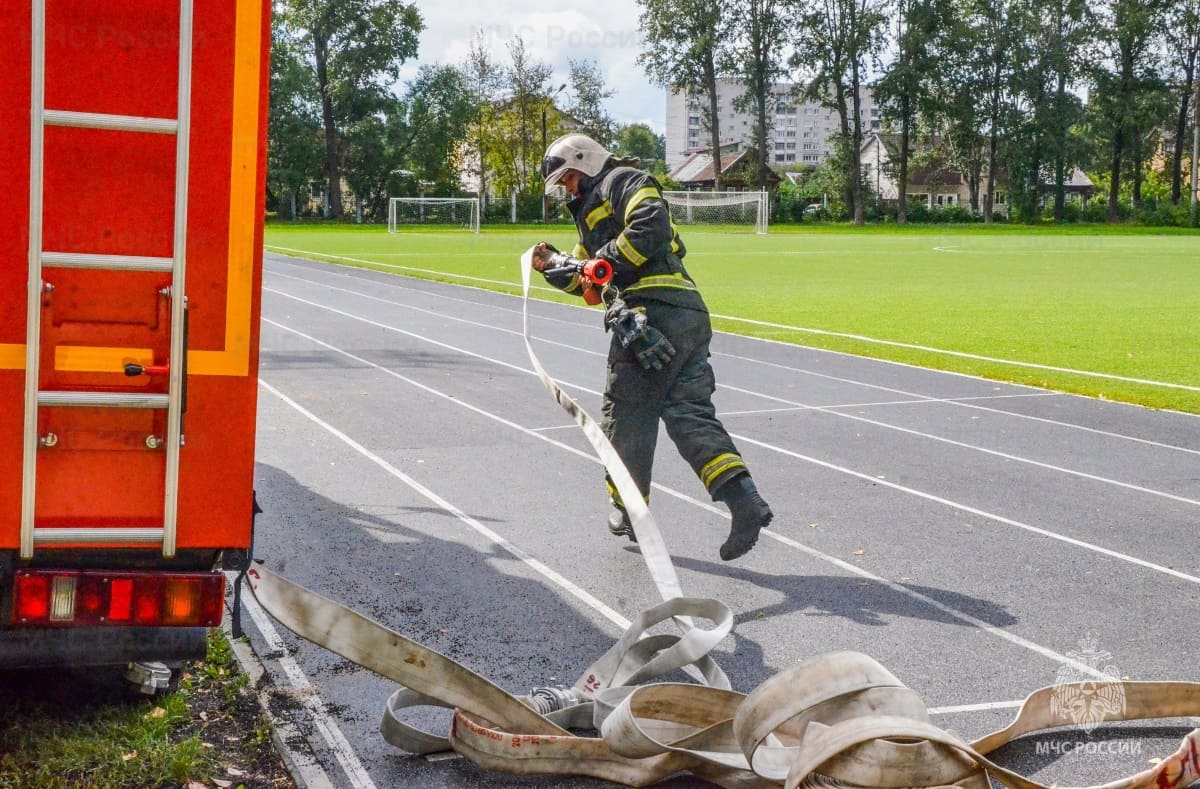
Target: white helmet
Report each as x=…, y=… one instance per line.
x=572, y=152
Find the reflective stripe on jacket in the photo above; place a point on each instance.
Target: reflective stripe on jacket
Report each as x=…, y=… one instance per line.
x=622, y=217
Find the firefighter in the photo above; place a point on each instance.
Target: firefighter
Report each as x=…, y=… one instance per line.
x=657, y=364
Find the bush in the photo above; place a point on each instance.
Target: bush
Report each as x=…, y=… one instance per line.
x=954, y=214
x=1072, y=211
x=1164, y=215
x=788, y=204
x=1095, y=211
x=917, y=212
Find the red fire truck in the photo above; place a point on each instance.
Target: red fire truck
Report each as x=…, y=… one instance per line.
x=129, y=302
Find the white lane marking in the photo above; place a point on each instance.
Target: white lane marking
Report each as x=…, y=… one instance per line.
x=974, y=447
x=283, y=732
x=953, y=250
x=567, y=585
x=871, y=404
x=959, y=401
x=874, y=480
x=791, y=403
x=962, y=402
x=559, y=580
x=310, y=697
x=826, y=333
x=787, y=402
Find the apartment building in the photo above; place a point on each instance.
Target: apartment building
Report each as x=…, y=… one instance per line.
x=800, y=131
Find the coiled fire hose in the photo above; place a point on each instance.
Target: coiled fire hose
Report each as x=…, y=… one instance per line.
x=838, y=719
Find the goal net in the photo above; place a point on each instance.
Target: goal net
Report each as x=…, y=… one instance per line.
x=462, y=212
x=747, y=209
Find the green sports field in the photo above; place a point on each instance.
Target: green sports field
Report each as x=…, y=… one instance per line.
x=1107, y=313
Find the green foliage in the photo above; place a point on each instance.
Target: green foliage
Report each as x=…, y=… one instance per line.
x=1163, y=213
x=587, y=103
x=788, y=204
x=353, y=50
x=429, y=128
x=295, y=148
x=686, y=42
x=130, y=742
x=638, y=139
x=512, y=129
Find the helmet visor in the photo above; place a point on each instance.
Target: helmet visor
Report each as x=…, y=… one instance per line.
x=553, y=169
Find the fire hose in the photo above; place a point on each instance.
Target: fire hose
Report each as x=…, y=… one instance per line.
x=835, y=719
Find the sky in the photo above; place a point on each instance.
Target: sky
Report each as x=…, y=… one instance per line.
x=605, y=32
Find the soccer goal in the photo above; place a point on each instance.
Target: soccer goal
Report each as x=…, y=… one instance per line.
x=460, y=212
x=720, y=208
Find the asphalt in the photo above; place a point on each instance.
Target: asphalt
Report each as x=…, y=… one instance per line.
x=972, y=536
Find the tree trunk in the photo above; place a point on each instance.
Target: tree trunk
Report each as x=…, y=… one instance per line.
x=763, y=167
x=1035, y=180
x=989, y=199
x=856, y=146
x=902, y=176
x=1181, y=127
x=1124, y=94
x=844, y=122
x=1114, y=186
x=1135, y=163
x=333, y=168
x=1060, y=188
x=710, y=82
x=1060, y=145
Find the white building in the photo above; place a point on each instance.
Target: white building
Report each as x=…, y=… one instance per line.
x=801, y=130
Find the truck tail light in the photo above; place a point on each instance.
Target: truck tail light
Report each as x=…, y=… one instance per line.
x=63, y=597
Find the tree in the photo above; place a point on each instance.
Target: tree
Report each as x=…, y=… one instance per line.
x=638, y=139
x=355, y=49
x=999, y=43
x=1183, y=39
x=513, y=124
x=686, y=41
x=482, y=81
x=1035, y=84
x=1071, y=24
x=756, y=59
x=907, y=87
x=293, y=127
x=433, y=123
x=836, y=40
x=367, y=160
x=587, y=102
x=1128, y=32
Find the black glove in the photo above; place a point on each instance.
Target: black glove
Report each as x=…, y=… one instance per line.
x=627, y=324
x=654, y=350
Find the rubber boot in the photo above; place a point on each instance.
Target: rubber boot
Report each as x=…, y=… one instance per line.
x=619, y=524
x=748, y=512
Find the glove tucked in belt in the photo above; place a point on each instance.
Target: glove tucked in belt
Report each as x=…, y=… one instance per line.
x=653, y=350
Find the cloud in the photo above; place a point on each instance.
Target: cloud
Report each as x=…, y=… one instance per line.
x=607, y=34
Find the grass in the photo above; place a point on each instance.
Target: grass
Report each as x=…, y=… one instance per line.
x=1003, y=302
x=78, y=730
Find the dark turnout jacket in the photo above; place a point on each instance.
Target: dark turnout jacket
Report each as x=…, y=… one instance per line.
x=623, y=218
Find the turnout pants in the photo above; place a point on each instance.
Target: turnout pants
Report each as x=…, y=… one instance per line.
x=680, y=395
